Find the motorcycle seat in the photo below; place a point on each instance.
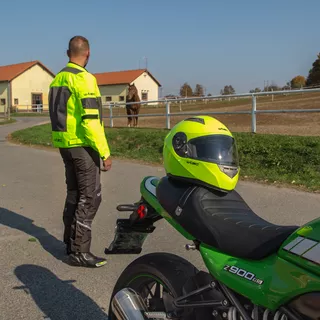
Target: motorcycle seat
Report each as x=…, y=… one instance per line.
x=221, y=220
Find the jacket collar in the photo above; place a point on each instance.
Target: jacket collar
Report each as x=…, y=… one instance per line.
x=75, y=65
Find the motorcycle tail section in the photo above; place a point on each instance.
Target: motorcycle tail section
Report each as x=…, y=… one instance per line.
x=131, y=232
x=303, y=247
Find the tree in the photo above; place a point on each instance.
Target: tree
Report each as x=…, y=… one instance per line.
x=186, y=90
x=314, y=73
x=227, y=90
x=298, y=82
x=199, y=91
x=272, y=87
x=287, y=86
x=255, y=90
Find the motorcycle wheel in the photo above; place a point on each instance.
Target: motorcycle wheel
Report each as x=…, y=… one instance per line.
x=153, y=276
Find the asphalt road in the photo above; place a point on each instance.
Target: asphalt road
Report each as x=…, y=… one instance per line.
x=35, y=281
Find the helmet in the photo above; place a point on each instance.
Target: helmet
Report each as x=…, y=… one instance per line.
x=202, y=150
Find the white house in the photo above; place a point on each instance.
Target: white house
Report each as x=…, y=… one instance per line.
x=24, y=86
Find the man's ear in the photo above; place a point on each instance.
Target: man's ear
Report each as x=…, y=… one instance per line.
x=68, y=53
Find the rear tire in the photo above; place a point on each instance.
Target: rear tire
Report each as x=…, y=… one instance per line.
x=165, y=269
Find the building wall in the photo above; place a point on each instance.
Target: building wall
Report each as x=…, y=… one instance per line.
x=145, y=84
x=113, y=92
x=34, y=80
x=3, y=95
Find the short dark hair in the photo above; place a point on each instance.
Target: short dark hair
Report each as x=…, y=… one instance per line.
x=78, y=45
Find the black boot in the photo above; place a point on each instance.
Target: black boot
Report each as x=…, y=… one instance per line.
x=86, y=259
x=68, y=250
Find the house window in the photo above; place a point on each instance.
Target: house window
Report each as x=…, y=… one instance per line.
x=2, y=102
x=121, y=98
x=108, y=99
x=144, y=95
x=16, y=101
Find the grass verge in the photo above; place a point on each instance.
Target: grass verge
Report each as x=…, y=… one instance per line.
x=7, y=121
x=276, y=159
x=29, y=114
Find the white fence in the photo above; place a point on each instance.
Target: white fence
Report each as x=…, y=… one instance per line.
x=35, y=109
x=42, y=109
x=253, y=111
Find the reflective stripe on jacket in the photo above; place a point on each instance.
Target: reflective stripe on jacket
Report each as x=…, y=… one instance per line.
x=76, y=110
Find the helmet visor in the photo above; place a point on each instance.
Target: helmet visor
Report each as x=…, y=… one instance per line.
x=219, y=149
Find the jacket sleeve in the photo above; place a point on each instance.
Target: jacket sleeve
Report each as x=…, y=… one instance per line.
x=89, y=99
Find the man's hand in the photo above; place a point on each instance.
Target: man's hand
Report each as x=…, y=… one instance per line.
x=106, y=164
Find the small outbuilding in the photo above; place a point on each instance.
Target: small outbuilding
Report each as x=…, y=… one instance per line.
x=113, y=85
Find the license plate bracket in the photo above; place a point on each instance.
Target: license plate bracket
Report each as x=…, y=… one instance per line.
x=129, y=237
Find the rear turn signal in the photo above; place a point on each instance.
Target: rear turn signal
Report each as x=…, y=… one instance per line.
x=142, y=211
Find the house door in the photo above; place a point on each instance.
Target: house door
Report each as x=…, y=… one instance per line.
x=36, y=102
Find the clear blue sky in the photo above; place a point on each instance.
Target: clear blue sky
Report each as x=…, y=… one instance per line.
x=211, y=42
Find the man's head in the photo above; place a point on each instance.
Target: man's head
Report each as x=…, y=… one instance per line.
x=79, y=50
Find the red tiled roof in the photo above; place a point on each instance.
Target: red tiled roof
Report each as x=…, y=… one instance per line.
x=8, y=73
x=121, y=77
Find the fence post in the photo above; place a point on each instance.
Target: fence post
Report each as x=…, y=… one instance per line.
x=168, y=114
x=253, y=114
x=9, y=113
x=111, y=115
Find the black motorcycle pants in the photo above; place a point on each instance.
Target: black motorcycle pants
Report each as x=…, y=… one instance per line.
x=82, y=172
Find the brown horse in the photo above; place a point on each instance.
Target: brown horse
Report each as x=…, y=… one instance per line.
x=133, y=109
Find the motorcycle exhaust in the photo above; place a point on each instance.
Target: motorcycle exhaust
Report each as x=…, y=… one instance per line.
x=128, y=305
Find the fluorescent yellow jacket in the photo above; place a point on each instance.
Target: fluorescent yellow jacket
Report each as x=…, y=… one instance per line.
x=76, y=111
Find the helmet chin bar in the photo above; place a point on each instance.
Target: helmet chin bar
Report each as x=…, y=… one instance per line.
x=230, y=171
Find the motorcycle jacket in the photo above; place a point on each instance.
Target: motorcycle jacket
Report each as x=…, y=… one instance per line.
x=76, y=111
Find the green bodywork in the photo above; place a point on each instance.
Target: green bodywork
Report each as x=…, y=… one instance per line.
x=310, y=231
x=282, y=280
x=271, y=282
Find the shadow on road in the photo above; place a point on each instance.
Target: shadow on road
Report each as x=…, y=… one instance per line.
x=16, y=221
x=57, y=299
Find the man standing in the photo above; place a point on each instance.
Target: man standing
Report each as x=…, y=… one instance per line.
x=78, y=131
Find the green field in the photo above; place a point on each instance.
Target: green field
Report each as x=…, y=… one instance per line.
x=276, y=159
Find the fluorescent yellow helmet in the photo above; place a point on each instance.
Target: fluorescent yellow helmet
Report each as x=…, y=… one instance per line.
x=202, y=150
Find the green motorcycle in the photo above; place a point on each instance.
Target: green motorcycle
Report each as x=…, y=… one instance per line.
x=256, y=270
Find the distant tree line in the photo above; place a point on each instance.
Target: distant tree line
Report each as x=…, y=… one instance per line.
x=297, y=82
x=186, y=90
